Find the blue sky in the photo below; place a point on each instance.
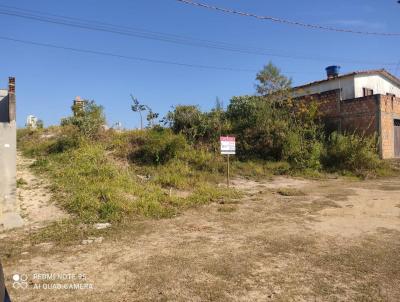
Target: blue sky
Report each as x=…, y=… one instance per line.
x=47, y=80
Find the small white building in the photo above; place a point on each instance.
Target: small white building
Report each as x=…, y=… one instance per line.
x=117, y=126
x=354, y=85
x=31, y=122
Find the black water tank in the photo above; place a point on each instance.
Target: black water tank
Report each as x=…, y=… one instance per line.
x=332, y=71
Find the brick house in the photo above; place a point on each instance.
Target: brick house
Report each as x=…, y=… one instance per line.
x=366, y=102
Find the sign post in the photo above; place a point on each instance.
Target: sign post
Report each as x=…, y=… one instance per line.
x=228, y=147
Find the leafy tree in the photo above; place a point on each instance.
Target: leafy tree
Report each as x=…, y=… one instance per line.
x=271, y=80
x=274, y=132
x=88, y=118
x=151, y=116
x=39, y=124
x=137, y=107
x=187, y=120
x=219, y=105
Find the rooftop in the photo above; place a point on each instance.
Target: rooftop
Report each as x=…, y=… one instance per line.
x=381, y=72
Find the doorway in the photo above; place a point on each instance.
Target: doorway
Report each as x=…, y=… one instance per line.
x=397, y=138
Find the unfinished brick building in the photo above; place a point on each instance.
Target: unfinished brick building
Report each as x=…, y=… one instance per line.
x=366, y=102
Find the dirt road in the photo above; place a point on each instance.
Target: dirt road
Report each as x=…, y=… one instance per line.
x=285, y=240
x=34, y=197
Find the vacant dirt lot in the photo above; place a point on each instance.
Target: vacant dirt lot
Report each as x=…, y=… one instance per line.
x=285, y=240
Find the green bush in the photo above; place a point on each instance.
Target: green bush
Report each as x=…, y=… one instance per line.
x=351, y=152
x=187, y=120
x=303, y=152
x=68, y=138
x=88, y=118
x=277, y=131
x=203, y=160
x=199, y=128
x=156, y=147
x=33, y=142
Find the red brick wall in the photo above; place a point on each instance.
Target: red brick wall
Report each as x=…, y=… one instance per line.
x=360, y=115
x=356, y=115
x=366, y=115
x=390, y=110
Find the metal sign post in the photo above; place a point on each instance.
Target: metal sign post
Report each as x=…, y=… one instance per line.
x=228, y=147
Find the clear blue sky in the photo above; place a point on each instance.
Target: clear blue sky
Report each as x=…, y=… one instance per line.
x=47, y=80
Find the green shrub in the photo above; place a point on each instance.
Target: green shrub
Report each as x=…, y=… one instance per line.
x=33, y=143
x=88, y=118
x=302, y=152
x=351, y=152
x=187, y=120
x=203, y=160
x=259, y=168
x=68, y=138
x=157, y=147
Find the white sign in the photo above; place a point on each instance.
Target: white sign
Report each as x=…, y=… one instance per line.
x=228, y=145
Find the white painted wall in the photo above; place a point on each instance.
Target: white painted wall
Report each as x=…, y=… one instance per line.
x=378, y=83
x=352, y=86
x=346, y=84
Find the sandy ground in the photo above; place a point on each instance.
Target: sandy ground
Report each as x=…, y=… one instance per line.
x=34, y=197
x=331, y=240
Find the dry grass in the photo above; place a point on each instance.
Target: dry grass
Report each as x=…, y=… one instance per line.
x=259, y=249
x=291, y=192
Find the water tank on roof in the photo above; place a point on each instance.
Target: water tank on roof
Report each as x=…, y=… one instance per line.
x=332, y=71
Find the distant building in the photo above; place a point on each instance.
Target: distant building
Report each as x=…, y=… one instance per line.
x=79, y=104
x=366, y=102
x=31, y=122
x=117, y=126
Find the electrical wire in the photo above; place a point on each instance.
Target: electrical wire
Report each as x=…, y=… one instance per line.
x=109, y=54
x=169, y=38
x=286, y=21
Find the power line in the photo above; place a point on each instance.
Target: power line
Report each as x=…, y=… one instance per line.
x=286, y=21
x=109, y=54
x=170, y=38
x=143, y=59
x=397, y=67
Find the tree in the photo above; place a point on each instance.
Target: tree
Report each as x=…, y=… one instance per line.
x=137, y=107
x=89, y=119
x=188, y=120
x=39, y=124
x=219, y=105
x=271, y=80
x=151, y=116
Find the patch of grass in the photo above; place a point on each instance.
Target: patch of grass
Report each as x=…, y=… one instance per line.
x=291, y=192
x=227, y=209
x=259, y=169
x=370, y=268
x=389, y=188
x=318, y=205
x=340, y=195
x=65, y=232
x=10, y=247
x=21, y=182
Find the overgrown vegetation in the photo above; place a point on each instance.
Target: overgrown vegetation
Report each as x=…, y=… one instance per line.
x=351, y=152
x=110, y=176
x=107, y=175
